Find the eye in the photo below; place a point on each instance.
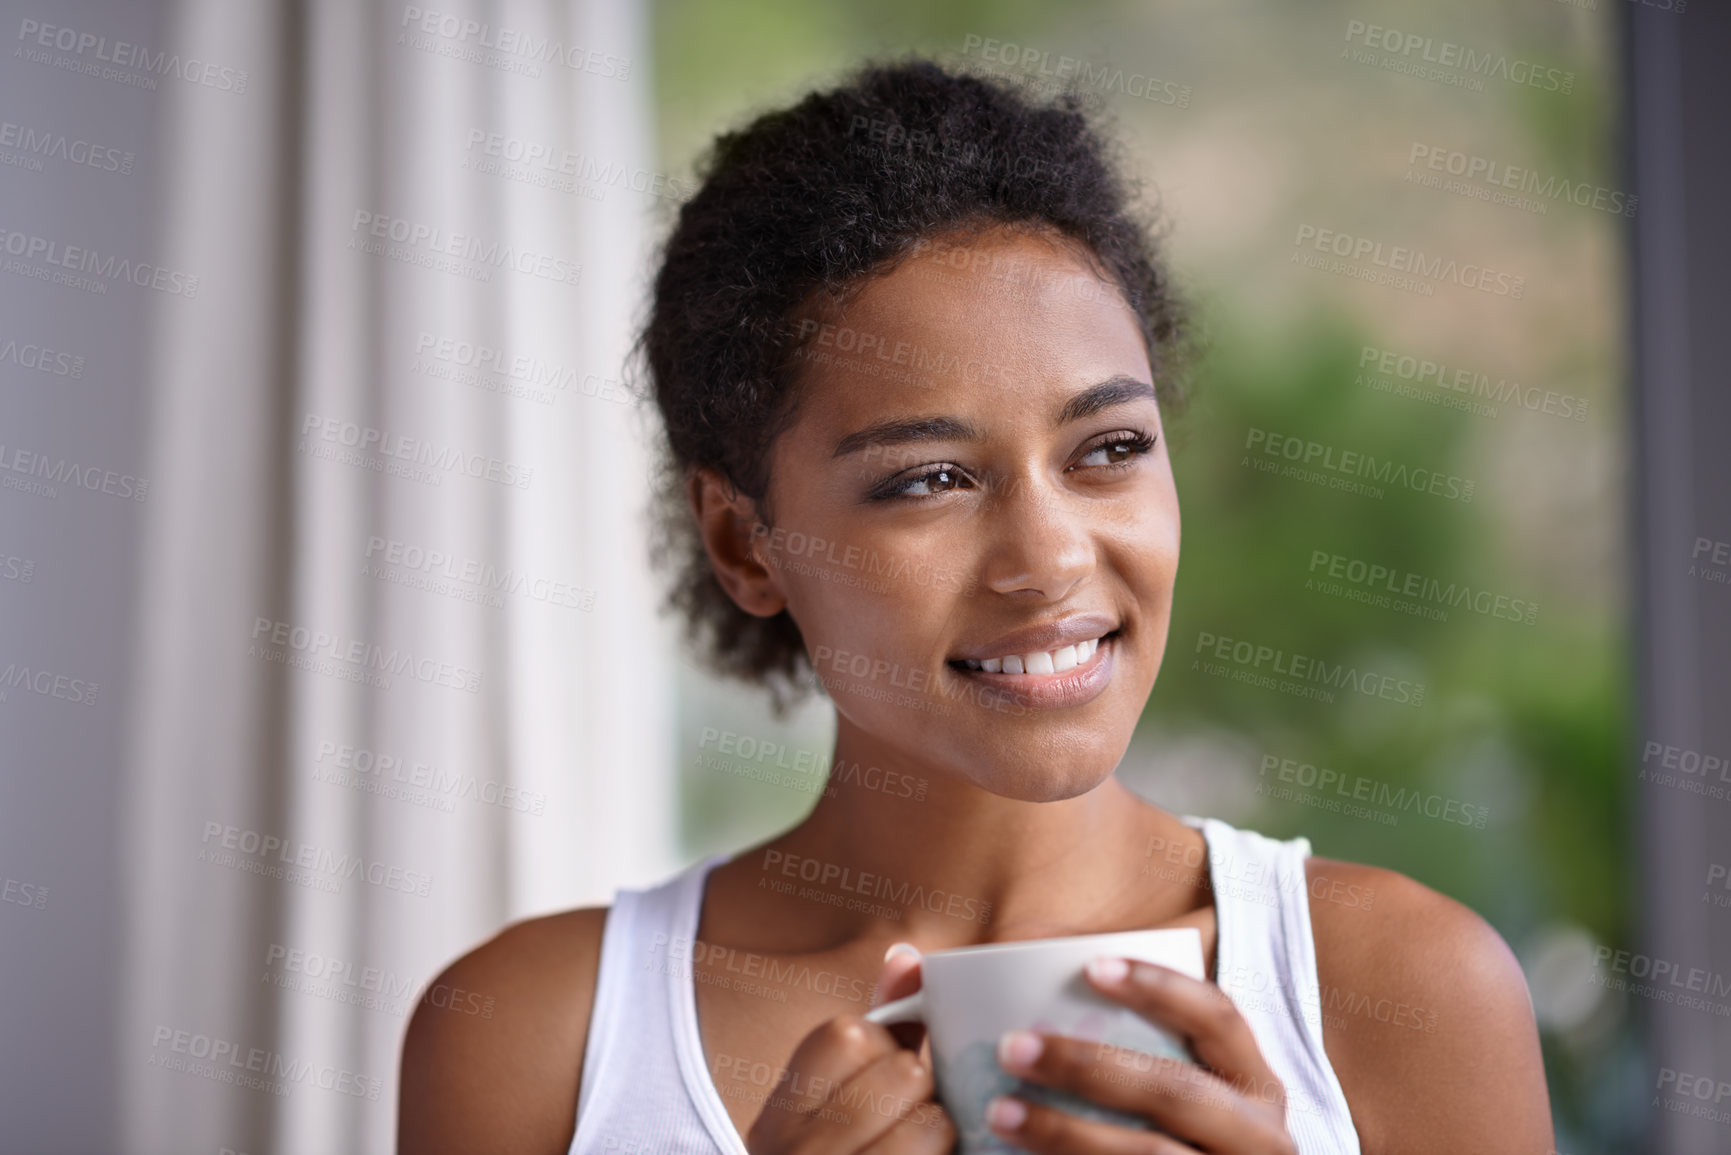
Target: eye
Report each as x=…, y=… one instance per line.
x=1118, y=450
x=935, y=480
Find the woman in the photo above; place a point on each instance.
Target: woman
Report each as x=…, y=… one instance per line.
x=910, y=349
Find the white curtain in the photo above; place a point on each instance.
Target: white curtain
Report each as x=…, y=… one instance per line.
x=397, y=676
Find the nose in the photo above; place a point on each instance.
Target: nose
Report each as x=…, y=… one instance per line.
x=1042, y=543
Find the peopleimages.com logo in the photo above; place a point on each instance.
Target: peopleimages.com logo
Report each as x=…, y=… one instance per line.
x=274, y=640
x=1397, y=264
x=480, y=42
x=1428, y=58
x=133, y=63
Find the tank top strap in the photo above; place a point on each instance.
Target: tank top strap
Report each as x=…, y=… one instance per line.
x=644, y=1088
x=1265, y=961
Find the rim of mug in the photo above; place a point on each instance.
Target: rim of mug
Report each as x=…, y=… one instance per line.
x=1036, y=943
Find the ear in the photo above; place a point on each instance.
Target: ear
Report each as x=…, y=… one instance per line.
x=733, y=534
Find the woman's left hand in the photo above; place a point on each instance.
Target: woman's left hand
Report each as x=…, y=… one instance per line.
x=1231, y=1104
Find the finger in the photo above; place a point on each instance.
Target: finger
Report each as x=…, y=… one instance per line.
x=898, y=978
x=1218, y=1034
x=1181, y=1098
x=899, y=975
x=1049, y=1131
x=931, y=1132
x=832, y=1053
x=893, y=1088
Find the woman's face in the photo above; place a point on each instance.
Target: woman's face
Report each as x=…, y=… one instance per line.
x=977, y=477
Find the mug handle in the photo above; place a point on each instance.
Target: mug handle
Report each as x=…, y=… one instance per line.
x=911, y=1009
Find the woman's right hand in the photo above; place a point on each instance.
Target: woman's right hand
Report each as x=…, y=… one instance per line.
x=852, y=1087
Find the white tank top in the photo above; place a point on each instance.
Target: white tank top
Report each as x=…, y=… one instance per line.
x=646, y=1089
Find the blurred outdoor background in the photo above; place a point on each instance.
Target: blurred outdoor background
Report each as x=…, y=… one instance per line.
x=1502, y=789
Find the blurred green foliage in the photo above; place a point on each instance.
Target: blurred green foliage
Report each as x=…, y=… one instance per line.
x=1540, y=707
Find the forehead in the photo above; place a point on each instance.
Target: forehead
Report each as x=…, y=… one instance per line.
x=969, y=323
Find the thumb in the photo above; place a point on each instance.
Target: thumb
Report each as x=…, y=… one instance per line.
x=900, y=975
x=898, y=978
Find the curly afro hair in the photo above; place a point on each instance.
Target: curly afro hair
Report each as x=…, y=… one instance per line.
x=818, y=199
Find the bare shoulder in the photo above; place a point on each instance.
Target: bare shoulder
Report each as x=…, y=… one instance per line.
x=1426, y=1017
x=494, y=1052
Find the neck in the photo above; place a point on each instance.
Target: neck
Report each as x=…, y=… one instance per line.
x=962, y=865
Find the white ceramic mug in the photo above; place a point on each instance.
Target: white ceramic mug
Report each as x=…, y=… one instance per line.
x=971, y=995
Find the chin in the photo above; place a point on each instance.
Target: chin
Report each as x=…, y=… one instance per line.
x=1041, y=783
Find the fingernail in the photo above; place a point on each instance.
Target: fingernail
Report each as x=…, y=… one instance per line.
x=901, y=948
x=1108, y=970
x=1018, y=1049
x=1005, y=1113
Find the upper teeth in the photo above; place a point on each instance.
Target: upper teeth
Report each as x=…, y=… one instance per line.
x=1039, y=662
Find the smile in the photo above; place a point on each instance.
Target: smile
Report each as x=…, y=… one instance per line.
x=1069, y=676
x=1050, y=662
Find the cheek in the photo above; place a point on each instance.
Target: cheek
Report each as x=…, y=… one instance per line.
x=1162, y=525
x=879, y=612
x=1160, y=549
x=1145, y=545
x=873, y=655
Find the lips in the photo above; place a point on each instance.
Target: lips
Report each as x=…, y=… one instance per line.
x=1045, y=648
x=1072, y=674
x=1042, y=653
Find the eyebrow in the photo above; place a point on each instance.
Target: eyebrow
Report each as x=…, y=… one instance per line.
x=1117, y=390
